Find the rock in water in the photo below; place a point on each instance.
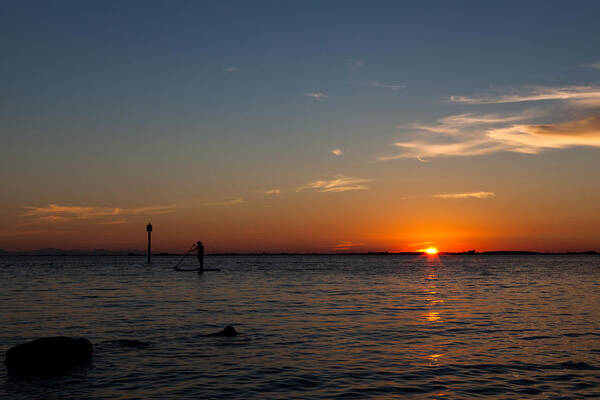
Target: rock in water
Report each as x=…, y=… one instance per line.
x=48, y=355
x=228, y=331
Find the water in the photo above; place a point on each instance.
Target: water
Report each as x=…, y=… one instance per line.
x=312, y=326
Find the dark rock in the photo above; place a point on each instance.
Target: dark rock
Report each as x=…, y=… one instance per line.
x=48, y=355
x=228, y=331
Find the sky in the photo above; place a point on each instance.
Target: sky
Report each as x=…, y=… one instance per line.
x=300, y=126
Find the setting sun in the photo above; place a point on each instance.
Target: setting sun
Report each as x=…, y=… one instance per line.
x=431, y=250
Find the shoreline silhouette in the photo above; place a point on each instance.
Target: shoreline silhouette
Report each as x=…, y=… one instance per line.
x=137, y=253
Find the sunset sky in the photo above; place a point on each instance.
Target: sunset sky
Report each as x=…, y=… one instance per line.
x=300, y=126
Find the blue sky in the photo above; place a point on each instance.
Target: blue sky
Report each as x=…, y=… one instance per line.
x=140, y=104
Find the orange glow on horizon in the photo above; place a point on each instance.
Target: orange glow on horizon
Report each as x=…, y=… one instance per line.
x=253, y=227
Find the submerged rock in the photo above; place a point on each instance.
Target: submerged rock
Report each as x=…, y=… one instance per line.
x=228, y=331
x=48, y=355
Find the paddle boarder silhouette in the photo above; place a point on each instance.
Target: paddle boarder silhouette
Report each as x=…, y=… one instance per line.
x=199, y=248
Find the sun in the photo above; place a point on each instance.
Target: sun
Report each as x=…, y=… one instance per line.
x=431, y=250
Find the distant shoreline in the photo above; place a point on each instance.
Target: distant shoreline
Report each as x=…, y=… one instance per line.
x=106, y=253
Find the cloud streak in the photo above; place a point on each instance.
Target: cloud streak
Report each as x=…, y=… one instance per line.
x=456, y=124
x=272, y=191
x=55, y=213
x=337, y=152
x=339, y=183
x=226, y=203
x=231, y=69
x=346, y=245
x=355, y=65
x=385, y=86
x=469, y=195
x=534, y=138
x=420, y=244
x=87, y=212
x=422, y=150
x=481, y=134
x=316, y=95
x=592, y=65
x=79, y=212
x=582, y=95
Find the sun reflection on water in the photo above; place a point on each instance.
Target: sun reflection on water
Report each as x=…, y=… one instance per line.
x=432, y=316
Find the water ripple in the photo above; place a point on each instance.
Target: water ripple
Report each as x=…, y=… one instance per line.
x=311, y=326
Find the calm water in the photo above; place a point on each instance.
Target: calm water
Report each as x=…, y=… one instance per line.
x=312, y=326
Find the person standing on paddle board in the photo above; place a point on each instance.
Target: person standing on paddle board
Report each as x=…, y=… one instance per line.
x=199, y=247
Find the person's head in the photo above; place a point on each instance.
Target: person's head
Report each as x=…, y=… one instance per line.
x=198, y=243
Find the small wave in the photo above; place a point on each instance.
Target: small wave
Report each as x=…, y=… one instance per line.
x=538, y=337
x=582, y=366
x=581, y=334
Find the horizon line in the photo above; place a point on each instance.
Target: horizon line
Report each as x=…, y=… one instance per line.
x=138, y=253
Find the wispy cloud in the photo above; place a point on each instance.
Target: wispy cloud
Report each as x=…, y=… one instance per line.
x=117, y=221
x=60, y=213
x=355, y=65
x=592, y=65
x=80, y=212
x=469, y=195
x=151, y=210
x=316, y=95
x=56, y=213
x=421, y=150
x=582, y=95
x=385, y=86
x=337, y=152
x=272, y=191
x=470, y=134
x=339, y=183
x=456, y=124
x=420, y=244
x=231, y=69
x=345, y=245
x=455, y=135
x=534, y=138
x=87, y=212
x=226, y=203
